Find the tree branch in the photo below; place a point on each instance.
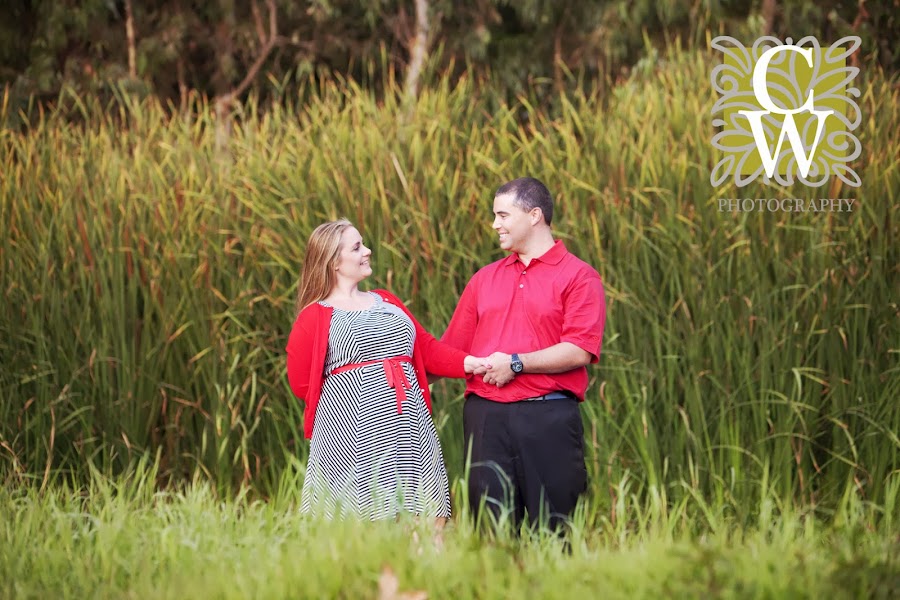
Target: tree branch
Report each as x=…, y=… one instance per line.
x=264, y=52
x=257, y=22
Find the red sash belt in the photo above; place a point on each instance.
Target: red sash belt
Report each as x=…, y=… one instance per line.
x=393, y=372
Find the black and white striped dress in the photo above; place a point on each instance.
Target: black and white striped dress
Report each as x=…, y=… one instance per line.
x=365, y=459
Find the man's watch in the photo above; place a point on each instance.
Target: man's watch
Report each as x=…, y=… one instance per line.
x=516, y=364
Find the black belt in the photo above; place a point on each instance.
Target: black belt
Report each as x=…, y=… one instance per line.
x=548, y=396
x=551, y=396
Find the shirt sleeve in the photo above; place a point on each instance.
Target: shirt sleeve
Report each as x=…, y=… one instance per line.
x=299, y=354
x=585, y=314
x=460, y=332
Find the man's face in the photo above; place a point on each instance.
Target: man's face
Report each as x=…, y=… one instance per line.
x=511, y=223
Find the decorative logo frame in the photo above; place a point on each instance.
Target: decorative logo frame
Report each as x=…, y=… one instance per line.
x=786, y=112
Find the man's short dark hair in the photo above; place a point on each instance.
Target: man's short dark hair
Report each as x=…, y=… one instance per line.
x=529, y=193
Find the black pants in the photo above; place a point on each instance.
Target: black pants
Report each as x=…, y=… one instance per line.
x=527, y=458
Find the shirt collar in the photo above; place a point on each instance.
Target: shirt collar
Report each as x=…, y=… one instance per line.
x=552, y=256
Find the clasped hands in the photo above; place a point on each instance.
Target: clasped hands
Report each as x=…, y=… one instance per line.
x=495, y=368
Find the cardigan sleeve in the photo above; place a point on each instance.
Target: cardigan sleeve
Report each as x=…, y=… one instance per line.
x=439, y=358
x=300, y=354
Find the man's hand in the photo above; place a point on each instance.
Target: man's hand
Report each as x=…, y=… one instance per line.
x=475, y=365
x=499, y=373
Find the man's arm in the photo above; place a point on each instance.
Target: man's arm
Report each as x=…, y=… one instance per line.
x=559, y=358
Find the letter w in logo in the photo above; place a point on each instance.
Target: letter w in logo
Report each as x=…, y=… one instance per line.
x=769, y=160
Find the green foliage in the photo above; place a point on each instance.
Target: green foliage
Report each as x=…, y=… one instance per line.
x=209, y=47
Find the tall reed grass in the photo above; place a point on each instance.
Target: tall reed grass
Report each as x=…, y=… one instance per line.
x=148, y=280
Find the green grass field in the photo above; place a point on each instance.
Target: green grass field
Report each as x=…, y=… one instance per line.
x=120, y=539
x=741, y=427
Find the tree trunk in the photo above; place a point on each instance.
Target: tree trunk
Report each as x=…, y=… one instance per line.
x=557, y=59
x=182, y=82
x=768, y=14
x=862, y=15
x=418, y=51
x=129, y=36
x=224, y=47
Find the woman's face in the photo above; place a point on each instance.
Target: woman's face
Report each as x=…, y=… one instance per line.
x=353, y=262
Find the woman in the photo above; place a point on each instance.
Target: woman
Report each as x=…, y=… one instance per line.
x=359, y=360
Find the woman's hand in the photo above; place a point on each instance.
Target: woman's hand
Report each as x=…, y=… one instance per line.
x=475, y=365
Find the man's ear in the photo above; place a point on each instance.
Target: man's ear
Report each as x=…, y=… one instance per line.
x=536, y=215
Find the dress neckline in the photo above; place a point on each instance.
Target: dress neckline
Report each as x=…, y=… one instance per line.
x=378, y=300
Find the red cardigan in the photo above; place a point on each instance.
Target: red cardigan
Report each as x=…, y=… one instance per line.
x=308, y=345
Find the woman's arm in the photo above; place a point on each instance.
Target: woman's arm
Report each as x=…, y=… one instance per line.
x=299, y=353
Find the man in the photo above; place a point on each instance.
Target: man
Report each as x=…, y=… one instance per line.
x=542, y=310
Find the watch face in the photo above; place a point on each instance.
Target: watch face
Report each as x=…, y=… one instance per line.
x=516, y=365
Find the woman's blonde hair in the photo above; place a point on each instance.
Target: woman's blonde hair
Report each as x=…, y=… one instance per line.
x=323, y=253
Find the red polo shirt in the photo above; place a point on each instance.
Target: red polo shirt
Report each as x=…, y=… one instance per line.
x=509, y=308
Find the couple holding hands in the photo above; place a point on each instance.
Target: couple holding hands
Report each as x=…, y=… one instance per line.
x=522, y=334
